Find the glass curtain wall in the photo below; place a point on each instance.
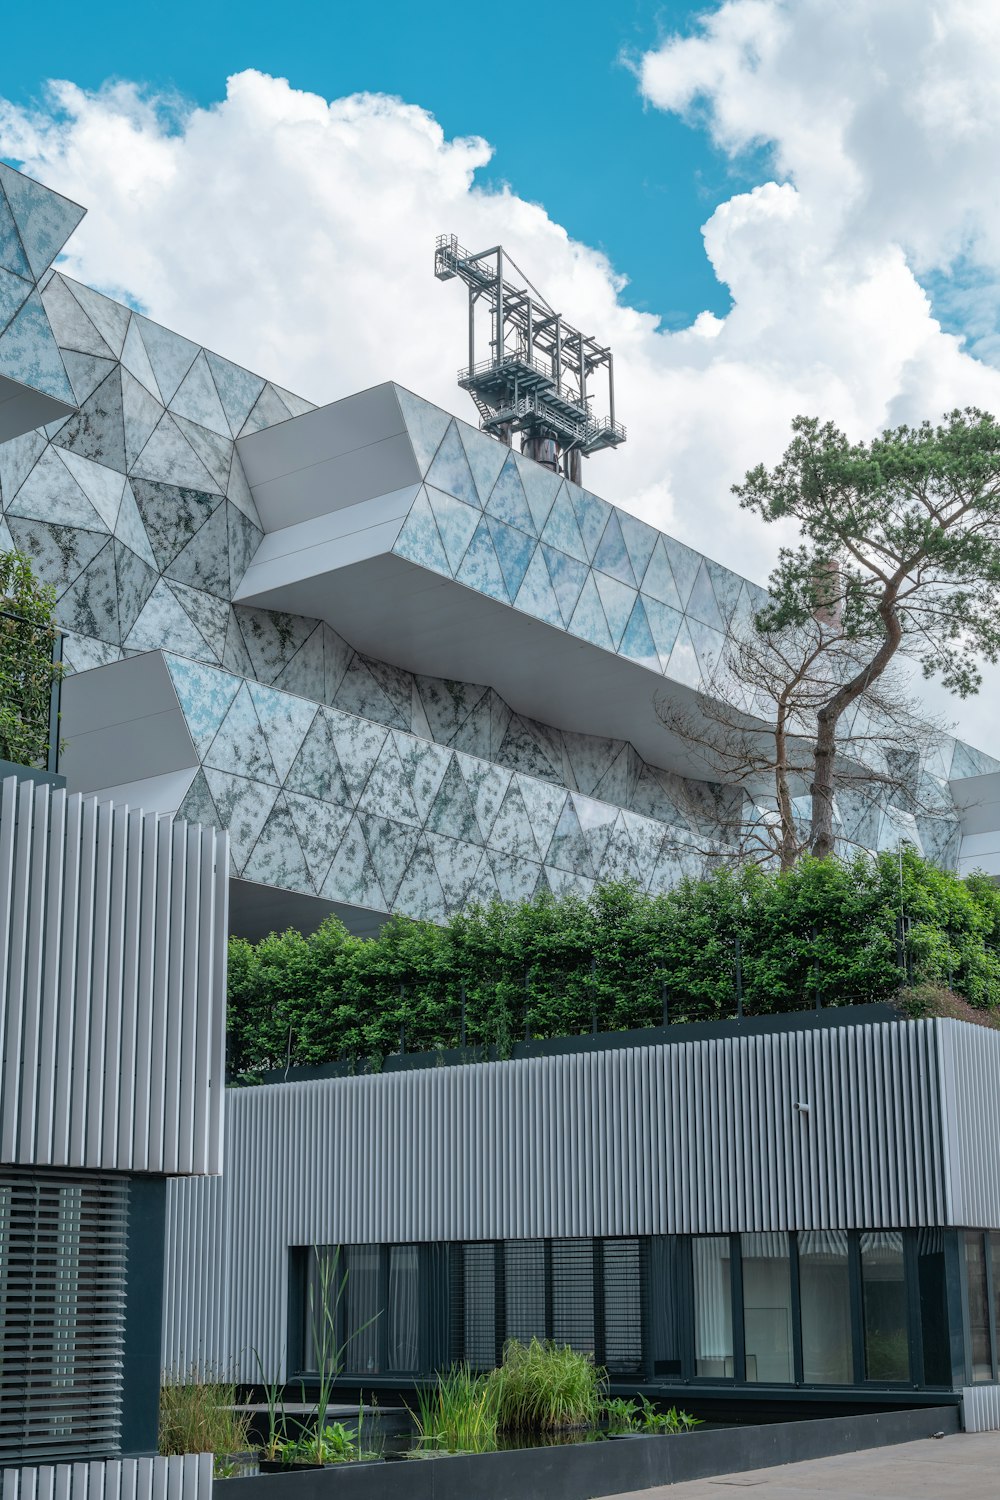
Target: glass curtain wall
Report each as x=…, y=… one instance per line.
x=713, y=1307
x=980, y=1351
x=883, y=1286
x=825, y=1301
x=767, y=1308
x=403, y=1323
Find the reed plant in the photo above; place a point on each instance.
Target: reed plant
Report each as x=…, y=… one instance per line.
x=458, y=1413
x=540, y=1387
x=199, y=1416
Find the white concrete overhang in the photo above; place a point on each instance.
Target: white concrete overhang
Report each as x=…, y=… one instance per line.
x=977, y=801
x=334, y=488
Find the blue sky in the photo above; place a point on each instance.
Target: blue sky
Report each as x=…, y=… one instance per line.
x=552, y=94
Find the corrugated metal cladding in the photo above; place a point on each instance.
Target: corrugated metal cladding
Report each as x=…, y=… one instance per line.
x=702, y=1137
x=970, y=1093
x=188, y=1478
x=112, y=1007
x=981, y=1408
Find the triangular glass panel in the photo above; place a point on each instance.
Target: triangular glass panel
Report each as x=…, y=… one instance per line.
x=589, y=620
x=424, y=767
x=285, y=721
x=568, y=848
x=215, y=452
x=640, y=540
x=51, y=494
x=141, y=412
x=197, y=399
x=70, y=324
x=637, y=642
x=561, y=530
x=320, y=828
x=272, y=638
x=420, y=541
x=619, y=862
x=45, y=220
x=683, y=665
x=447, y=704
x=316, y=770
x=392, y=847
x=541, y=486
x=236, y=656
x=208, y=614
x=727, y=586
x=515, y=877
x=12, y=256
x=30, y=355
x=243, y=807
x=590, y=757
x=238, y=390
x=592, y=515
x=169, y=355
x=198, y=805
x=568, y=577
x=102, y=486
x=90, y=604
x=507, y=499
x=618, y=601
x=17, y=458
x=684, y=564
x=351, y=877
x=664, y=624
x=425, y=426
x=658, y=579
x=85, y=371
x=597, y=820
x=108, y=317
x=98, y=430
x=130, y=530
x=611, y=556
x=14, y=292
x=204, y=562
x=457, y=865
x=361, y=693
x=545, y=804
x=268, y=411
x=708, y=644
x=456, y=523
x=304, y=674
x=58, y=553
x=136, y=361
x=486, y=456
x=702, y=603
x=533, y=748
x=536, y=595
x=238, y=491
x=163, y=625
x=277, y=858
x=487, y=784
x=511, y=832
x=205, y=697
x=359, y=745
x=171, y=516
x=452, y=811
x=297, y=405
x=450, y=470
x=244, y=539
x=386, y=789
x=420, y=894
x=514, y=550
x=169, y=455
x=240, y=745
x=481, y=569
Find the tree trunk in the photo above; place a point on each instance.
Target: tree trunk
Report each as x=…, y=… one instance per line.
x=789, y=845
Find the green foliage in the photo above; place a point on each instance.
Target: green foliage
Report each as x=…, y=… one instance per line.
x=458, y=1413
x=198, y=1417
x=543, y=1386
x=825, y=924
x=621, y=1415
x=332, y=1443
x=26, y=667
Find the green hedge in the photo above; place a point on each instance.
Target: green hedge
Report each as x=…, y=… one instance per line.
x=558, y=967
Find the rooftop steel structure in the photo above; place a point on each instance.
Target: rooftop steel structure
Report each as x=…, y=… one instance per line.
x=535, y=379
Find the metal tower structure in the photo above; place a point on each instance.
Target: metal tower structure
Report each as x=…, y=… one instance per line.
x=535, y=380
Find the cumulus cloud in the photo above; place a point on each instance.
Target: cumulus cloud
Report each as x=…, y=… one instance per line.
x=295, y=235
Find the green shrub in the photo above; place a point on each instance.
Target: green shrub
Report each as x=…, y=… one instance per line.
x=543, y=1386
x=26, y=666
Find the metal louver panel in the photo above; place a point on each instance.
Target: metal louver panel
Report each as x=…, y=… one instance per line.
x=63, y=1242
x=187, y=1478
x=112, y=985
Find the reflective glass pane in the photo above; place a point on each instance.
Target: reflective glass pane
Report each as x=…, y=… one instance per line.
x=883, y=1282
x=995, y=1260
x=403, y=1309
x=825, y=1296
x=324, y=1287
x=361, y=1333
x=979, y=1306
x=767, y=1307
x=479, y=1305
x=713, y=1308
x=573, y=1294
x=524, y=1278
x=933, y=1307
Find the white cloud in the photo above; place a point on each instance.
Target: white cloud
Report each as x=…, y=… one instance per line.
x=295, y=235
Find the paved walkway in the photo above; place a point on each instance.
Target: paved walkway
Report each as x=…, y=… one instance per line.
x=963, y=1467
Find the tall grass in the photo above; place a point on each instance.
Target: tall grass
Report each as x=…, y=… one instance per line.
x=458, y=1413
x=542, y=1386
x=196, y=1417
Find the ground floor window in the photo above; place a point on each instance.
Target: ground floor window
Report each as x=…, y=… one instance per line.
x=817, y=1308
